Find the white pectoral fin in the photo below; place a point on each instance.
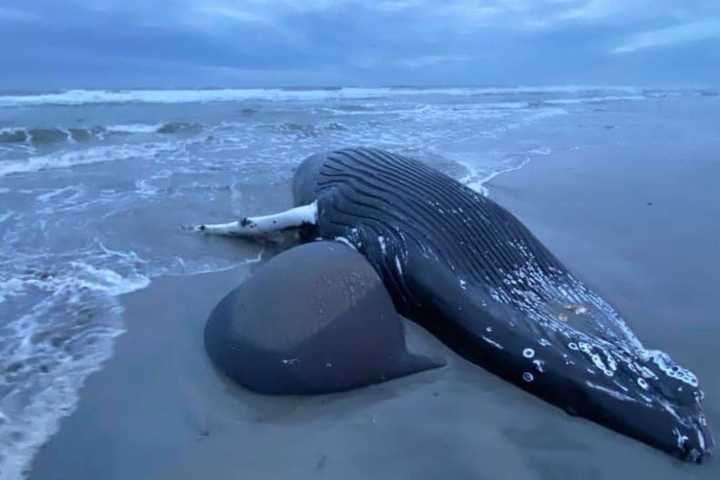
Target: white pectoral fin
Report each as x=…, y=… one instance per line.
x=250, y=227
x=232, y=228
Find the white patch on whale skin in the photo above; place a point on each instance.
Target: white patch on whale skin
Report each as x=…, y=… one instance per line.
x=493, y=342
x=671, y=369
x=577, y=309
x=613, y=393
x=586, y=323
x=346, y=242
x=623, y=387
x=701, y=439
x=680, y=438
x=668, y=408
x=290, y=361
x=398, y=265
x=383, y=247
x=539, y=365
x=587, y=349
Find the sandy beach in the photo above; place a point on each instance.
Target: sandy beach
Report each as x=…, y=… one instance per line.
x=645, y=239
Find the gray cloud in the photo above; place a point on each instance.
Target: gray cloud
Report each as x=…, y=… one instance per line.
x=91, y=43
x=675, y=35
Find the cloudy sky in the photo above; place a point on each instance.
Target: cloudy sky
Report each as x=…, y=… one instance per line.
x=194, y=43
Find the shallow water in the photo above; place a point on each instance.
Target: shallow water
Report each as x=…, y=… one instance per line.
x=94, y=187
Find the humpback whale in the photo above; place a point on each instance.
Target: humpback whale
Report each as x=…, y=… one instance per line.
x=471, y=273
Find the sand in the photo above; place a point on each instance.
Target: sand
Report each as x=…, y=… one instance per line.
x=641, y=227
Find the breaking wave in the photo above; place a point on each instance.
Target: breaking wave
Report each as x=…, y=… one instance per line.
x=99, y=154
x=65, y=318
x=84, y=97
x=40, y=136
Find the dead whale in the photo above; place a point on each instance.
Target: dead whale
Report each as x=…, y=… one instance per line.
x=471, y=273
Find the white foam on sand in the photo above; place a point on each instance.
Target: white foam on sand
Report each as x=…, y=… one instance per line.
x=48, y=351
x=476, y=181
x=64, y=315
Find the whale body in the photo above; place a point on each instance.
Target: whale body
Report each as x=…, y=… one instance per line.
x=471, y=273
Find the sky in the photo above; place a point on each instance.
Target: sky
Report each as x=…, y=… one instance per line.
x=51, y=44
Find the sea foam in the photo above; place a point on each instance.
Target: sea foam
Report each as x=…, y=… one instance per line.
x=47, y=352
x=83, y=97
x=98, y=154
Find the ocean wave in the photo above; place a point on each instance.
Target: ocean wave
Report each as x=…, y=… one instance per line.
x=165, y=128
x=133, y=128
x=180, y=128
x=594, y=99
x=486, y=108
x=109, y=153
x=58, y=196
x=66, y=317
x=305, y=129
x=13, y=135
x=350, y=109
x=83, y=97
x=39, y=136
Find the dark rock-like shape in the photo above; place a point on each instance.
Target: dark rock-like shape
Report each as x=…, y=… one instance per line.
x=315, y=319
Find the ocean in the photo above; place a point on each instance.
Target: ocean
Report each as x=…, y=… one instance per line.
x=95, y=187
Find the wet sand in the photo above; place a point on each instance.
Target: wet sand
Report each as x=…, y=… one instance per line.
x=642, y=233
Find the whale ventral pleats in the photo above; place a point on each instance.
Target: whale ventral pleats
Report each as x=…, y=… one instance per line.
x=469, y=272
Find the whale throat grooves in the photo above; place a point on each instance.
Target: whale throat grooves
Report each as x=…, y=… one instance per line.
x=469, y=271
